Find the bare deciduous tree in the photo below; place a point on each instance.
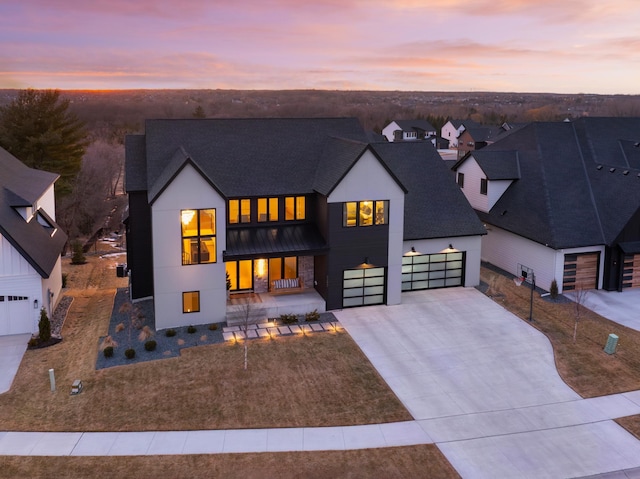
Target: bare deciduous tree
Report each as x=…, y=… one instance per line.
x=579, y=298
x=250, y=314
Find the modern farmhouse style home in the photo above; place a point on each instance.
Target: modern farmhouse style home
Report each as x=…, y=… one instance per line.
x=274, y=206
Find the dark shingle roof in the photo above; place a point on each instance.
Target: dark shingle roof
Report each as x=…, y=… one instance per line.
x=22, y=186
x=562, y=198
x=412, y=125
x=434, y=205
x=498, y=165
x=248, y=156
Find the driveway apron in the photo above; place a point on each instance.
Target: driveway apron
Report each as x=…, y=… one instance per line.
x=483, y=385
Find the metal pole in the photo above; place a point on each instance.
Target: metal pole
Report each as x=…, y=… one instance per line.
x=533, y=286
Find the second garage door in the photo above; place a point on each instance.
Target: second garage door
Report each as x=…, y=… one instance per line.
x=580, y=271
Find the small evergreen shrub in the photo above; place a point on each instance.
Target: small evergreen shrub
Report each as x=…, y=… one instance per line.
x=170, y=333
x=78, y=254
x=108, y=351
x=213, y=326
x=191, y=329
x=44, y=326
x=130, y=353
x=150, y=345
x=312, y=316
x=553, y=290
x=289, y=318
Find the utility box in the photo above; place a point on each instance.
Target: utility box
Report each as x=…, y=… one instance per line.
x=612, y=343
x=76, y=387
x=121, y=270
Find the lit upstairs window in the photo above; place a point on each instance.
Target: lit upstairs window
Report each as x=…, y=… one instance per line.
x=198, y=236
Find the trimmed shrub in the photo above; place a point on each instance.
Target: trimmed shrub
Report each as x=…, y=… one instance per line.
x=33, y=342
x=312, y=316
x=191, y=329
x=289, y=318
x=108, y=351
x=553, y=290
x=130, y=353
x=170, y=333
x=150, y=345
x=44, y=326
x=213, y=326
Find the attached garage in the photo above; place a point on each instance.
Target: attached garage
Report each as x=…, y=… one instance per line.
x=631, y=271
x=15, y=315
x=429, y=271
x=580, y=271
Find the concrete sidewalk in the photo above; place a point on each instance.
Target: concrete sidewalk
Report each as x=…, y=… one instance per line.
x=621, y=307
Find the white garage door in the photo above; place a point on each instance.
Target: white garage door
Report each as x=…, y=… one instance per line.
x=15, y=315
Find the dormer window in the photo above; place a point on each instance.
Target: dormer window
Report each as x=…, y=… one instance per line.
x=44, y=221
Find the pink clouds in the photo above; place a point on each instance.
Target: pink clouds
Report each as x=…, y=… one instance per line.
x=519, y=45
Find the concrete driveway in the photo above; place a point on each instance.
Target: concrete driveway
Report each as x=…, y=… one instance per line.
x=621, y=307
x=483, y=385
x=12, y=349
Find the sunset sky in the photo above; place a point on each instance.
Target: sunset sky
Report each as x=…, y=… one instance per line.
x=563, y=46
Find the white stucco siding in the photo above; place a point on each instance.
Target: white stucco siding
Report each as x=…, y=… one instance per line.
x=495, y=189
x=388, y=130
x=18, y=278
x=369, y=180
x=187, y=191
x=471, y=245
x=472, y=175
x=47, y=202
x=506, y=250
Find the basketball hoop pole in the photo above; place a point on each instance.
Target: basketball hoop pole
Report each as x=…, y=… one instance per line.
x=533, y=286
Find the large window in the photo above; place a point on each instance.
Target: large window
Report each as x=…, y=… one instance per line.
x=365, y=213
x=240, y=274
x=294, y=208
x=283, y=268
x=191, y=302
x=239, y=211
x=198, y=236
x=267, y=209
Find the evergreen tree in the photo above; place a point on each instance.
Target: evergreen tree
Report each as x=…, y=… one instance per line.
x=38, y=129
x=44, y=326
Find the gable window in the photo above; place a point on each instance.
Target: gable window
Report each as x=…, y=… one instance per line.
x=483, y=186
x=191, y=302
x=239, y=211
x=294, y=208
x=461, y=180
x=365, y=213
x=198, y=236
x=267, y=209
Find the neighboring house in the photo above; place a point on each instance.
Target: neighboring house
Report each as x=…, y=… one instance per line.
x=561, y=199
x=409, y=130
x=353, y=222
x=30, y=246
x=452, y=129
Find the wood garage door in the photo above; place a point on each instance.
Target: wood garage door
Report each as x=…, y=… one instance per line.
x=631, y=271
x=580, y=271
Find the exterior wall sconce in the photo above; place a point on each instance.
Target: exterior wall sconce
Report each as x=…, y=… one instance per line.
x=449, y=249
x=35, y=304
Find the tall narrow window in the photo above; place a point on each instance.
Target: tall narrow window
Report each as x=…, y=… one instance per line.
x=294, y=208
x=239, y=211
x=461, y=180
x=483, y=186
x=381, y=212
x=191, y=302
x=349, y=217
x=267, y=209
x=198, y=236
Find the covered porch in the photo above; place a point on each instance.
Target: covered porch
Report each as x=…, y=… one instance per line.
x=259, y=306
